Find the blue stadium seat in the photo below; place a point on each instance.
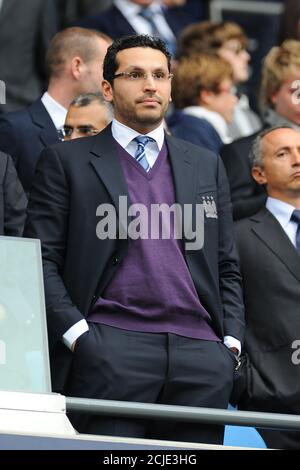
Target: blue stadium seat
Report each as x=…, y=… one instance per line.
x=243, y=436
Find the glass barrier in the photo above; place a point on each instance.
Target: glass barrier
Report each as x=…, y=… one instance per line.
x=24, y=359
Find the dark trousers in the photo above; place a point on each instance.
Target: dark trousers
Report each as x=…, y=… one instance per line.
x=277, y=439
x=114, y=364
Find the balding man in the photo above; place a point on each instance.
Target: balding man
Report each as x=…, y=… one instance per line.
x=74, y=61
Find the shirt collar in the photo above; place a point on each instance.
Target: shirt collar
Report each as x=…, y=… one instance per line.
x=124, y=134
x=215, y=119
x=56, y=111
x=281, y=210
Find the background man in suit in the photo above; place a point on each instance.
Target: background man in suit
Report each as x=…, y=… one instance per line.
x=269, y=250
x=87, y=115
x=74, y=61
x=281, y=68
x=71, y=10
x=131, y=326
x=140, y=16
x=13, y=200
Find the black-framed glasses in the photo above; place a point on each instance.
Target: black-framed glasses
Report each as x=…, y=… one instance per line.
x=138, y=75
x=83, y=130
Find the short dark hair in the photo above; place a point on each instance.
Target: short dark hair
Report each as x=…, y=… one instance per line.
x=110, y=64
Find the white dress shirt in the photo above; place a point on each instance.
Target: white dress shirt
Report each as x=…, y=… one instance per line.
x=282, y=211
x=56, y=111
x=124, y=136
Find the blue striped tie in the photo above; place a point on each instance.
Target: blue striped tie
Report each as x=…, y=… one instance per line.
x=296, y=218
x=140, y=154
x=148, y=14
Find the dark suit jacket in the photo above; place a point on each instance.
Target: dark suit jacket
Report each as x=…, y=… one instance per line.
x=72, y=180
x=13, y=200
x=195, y=130
x=70, y=10
x=270, y=267
x=23, y=135
x=113, y=23
x=247, y=196
x=26, y=29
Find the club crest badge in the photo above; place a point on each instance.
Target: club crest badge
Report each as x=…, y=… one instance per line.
x=210, y=208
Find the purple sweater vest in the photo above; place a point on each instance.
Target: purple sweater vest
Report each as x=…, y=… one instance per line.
x=152, y=290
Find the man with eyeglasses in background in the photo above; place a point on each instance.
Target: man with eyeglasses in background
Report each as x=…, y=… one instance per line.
x=138, y=318
x=87, y=115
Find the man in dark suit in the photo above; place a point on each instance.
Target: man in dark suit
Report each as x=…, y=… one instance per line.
x=74, y=61
x=280, y=72
x=269, y=250
x=246, y=195
x=127, y=17
x=70, y=10
x=137, y=312
x=13, y=200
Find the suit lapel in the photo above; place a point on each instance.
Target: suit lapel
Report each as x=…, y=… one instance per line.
x=184, y=172
x=185, y=178
x=42, y=119
x=105, y=161
x=274, y=237
x=120, y=22
x=108, y=168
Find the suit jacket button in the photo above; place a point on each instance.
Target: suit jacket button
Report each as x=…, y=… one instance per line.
x=115, y=260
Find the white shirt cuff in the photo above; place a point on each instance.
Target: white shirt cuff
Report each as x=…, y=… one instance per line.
x=232, y=342
x=74, y=332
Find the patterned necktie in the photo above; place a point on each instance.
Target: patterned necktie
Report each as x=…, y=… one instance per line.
x=140, y=154
x=295, y=217
x=147, y=14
